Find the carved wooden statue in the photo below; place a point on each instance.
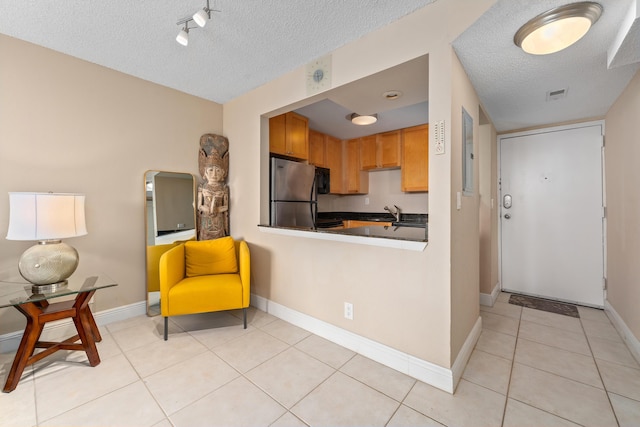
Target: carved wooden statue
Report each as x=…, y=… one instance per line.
x=213, y=193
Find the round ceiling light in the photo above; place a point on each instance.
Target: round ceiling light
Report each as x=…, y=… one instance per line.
x=392, y=94
x=557, y=28
x=357, y=119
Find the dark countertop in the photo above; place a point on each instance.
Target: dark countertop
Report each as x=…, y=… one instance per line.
x=371, y=216
x=411, y=227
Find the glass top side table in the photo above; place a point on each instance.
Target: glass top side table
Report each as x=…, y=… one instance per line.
x=15, y=292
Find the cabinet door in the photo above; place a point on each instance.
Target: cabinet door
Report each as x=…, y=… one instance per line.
x=334, y=163
x=389, y=149
x=297, y=135
x=415, y=158
x=368, y=153
x=317, y=148
x=277, y=134
x=357, y=181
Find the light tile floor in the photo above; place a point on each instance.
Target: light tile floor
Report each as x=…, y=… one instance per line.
x=529, y=368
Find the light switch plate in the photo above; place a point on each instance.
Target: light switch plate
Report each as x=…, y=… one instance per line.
x=438, y=133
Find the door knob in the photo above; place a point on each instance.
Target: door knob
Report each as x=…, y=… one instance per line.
x=507, y=216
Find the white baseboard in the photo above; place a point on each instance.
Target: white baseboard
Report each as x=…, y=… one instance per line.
x=430, y=373
x=465, y=352
x=632, y=342
x=490, y=299
x=10, y=342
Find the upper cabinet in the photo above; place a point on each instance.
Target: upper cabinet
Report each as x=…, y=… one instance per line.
x=317, y=149
x=289, y=135
x=334, y=161
x=415, y=158
x=389, y=149
x=380, y=151
x=356, y=180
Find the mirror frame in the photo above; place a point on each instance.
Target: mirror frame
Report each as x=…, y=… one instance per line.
x=152, y=257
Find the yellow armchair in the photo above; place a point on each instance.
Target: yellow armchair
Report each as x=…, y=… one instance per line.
x=204, y=276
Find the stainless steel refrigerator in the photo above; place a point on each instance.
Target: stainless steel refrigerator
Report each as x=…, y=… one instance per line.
x=293, y=194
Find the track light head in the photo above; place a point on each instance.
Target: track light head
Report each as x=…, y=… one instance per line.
x=202, y=16
x=183, y=36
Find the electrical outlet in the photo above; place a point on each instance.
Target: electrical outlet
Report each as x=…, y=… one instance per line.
x=438, y=133
x=366, y=200
x=348, y=310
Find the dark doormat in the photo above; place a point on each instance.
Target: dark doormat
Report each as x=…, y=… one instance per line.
x=545, y=305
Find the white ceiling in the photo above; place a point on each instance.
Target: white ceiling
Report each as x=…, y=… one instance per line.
x=251, y=42
x=513, y=85
x=246, y=44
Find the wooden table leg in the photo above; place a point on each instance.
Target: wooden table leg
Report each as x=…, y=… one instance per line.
x=86, y=327
x=27, y=345
x=38, y=314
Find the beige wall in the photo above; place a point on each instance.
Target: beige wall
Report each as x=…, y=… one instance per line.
x=401, y=298
x=622, y=155
x=488, y=220
x=71, y=126
x=465, y=235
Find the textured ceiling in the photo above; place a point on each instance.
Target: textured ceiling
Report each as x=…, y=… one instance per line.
x=246, y=44
x=513, y=85
x=251, y=42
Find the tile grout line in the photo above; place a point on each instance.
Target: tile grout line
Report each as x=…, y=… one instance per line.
x=604, y=387
x=513, y=362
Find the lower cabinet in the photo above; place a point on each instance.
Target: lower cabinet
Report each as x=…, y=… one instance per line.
x=353, y=223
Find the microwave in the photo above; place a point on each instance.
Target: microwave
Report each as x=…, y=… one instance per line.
x=323, y=180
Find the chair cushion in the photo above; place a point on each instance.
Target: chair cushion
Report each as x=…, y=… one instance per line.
x=207, y=257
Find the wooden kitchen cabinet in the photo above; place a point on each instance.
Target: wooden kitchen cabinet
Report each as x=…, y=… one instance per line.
x=353, y=223
x=357, y=181
x=317, y=148
x=380, y=151
x=333, y=160
x=415, y=159
x=369, y=152
x=389, y=149
x=289, y=135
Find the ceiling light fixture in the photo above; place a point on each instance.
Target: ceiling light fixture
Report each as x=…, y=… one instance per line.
x=363, y=120
x=392, y=94
x=200, y=18
x=183, y=35
x=558, y=28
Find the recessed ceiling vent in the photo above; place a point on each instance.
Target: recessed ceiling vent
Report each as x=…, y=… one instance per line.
x=554, y=95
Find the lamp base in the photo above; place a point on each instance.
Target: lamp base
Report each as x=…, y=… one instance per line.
x=48, y=263
x=49, y=289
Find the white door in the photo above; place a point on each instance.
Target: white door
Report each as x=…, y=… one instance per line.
x=552, y=214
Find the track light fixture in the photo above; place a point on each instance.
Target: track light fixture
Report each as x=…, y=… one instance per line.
x=200, y=18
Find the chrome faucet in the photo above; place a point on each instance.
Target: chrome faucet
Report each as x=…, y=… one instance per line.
x=396, y=214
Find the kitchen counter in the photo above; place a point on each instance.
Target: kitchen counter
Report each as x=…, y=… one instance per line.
x=418, y=234
x=411, y=234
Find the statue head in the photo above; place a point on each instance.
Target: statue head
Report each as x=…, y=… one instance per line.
x=214, y=157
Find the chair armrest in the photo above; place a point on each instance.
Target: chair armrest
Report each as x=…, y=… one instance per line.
x=244, y=268
x=172, y=270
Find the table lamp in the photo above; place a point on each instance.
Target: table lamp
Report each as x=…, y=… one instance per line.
x=46, y=218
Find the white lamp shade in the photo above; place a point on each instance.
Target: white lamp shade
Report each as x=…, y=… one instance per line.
x=46, y=216
x=201, y=17
x=183, y=37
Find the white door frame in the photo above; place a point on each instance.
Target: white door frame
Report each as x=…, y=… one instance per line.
x=604, y=199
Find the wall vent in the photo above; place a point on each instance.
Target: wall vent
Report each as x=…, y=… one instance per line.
x=554, y=95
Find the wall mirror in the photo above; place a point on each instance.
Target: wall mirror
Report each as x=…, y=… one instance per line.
x=170, y=217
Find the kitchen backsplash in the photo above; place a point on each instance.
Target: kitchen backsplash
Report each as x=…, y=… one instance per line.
x=384, y=190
